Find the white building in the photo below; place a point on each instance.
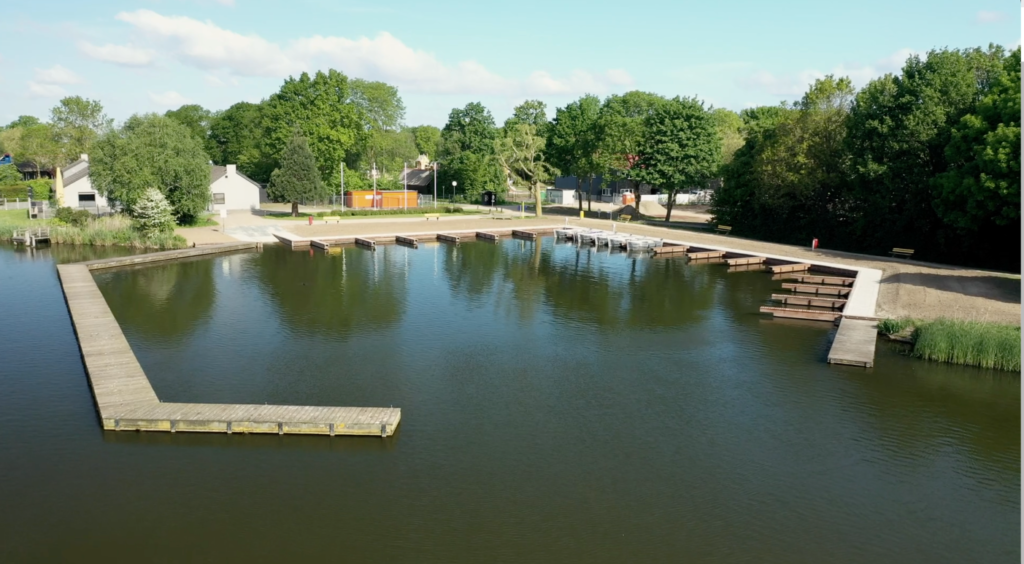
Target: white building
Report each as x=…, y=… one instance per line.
x=78, y=190
x=232, y=190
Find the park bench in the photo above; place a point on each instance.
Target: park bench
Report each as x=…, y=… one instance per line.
x=430, y=216
x=901, y=253
x=329, y=218
x=723, y=229
x=625, y=218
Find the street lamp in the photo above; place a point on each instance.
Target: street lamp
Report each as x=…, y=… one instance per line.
x=454, y=184
x=374, y=175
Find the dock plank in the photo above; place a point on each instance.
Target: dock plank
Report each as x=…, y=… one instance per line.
x=854, y=343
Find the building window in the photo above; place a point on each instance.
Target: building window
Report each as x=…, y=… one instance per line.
x=87, y=199
x=218, y=197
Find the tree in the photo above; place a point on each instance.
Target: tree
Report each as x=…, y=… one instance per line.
x=298, y=177
x=152, y=213
x=38, y=144
x=195, y=118
x=475, y=174
x=573, y=142
x=23, y=121
x=469, y=130
x=682, y=149
x=427, y=139
x=152, y=151
x=234, y=139
x=321, y=109
x=730, y=130
x=520, y=150
x=380, y=107
x=620, y=131
x=530, y=112
x=77, y=123
x=9, y=174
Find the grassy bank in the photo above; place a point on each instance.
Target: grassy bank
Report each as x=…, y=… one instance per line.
x=959, y=341
x=114, y=230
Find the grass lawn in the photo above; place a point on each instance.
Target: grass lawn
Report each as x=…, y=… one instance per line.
x=205, y=221
x=19, y=218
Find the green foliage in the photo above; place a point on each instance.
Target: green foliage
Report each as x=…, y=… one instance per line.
x=573, y=138
x=298, y=177
x=475, y=174
x=971, y=343
x=152, y=151
x=520, y=151
x=681, y=149
x=321, y=109
x=195, y=118
x=730, y=130
x=109, y=231
x=38, y=144
x=72, y=216
x=621, y=130
x=530, y=112
x=427, y=139
x=234, y=139
x=469, y=130
x=23, y=121
x=77, y=123
x=399, y=211
x=41, y=190
x=9, y=174
x=152, y=213
x=891, y=326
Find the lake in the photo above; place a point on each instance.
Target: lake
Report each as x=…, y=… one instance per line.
x=558, y=405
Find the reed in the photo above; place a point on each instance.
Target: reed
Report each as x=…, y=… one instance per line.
x=116, y=230
x=970, y=343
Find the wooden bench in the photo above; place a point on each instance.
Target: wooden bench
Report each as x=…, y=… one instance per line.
x=430, y=216
x=723, y=229
x=329, y=218
x=625, y=218
x=901, y=253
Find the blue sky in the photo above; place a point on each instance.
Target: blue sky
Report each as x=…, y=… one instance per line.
x=154, y=55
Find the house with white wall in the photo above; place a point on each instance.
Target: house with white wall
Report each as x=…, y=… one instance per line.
x=232, y=190
x=78, y=191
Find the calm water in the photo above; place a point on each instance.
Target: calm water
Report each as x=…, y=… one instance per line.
x=557, y=407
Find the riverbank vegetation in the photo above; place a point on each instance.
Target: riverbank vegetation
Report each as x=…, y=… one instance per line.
x=959, y=341
x=74, y=228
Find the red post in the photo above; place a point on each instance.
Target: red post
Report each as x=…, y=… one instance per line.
x=311, y=220
x=814, y=243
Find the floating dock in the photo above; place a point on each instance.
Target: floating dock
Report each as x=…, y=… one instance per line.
x=854, y=344
x=126, y=401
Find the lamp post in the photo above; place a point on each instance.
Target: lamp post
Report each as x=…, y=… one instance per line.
x=454, y=184
x=374, y=175
x=342, y=185
x=405, y=184
x=435, y=184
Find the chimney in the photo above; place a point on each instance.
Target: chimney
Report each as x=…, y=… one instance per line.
x=84, y=157
x=230, y=170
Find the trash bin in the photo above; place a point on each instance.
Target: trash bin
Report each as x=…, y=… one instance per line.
x=628, y=199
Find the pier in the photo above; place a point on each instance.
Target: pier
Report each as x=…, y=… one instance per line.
x=126, y=401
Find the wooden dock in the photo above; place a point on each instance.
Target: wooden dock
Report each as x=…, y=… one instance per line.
x=487, y=236
x=789, y=299
x=408, y=241
x=809, y=314
x=447, y=238
x=744, y=261
x=854, y=344
x=700, y=255
x=126, y=400
x=831, y=280
x=794, y=267
x=818, y=290
x=368, y=243
x=670, y=249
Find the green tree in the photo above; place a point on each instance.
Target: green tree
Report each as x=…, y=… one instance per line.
x=320, y=107
x=427, y=139
x=152, y=151
x=620, y=134
x=469, y=130
x=298, y=177
x=195, y=118
x=475, y=174
x=730, y=130
x=520, y=150
x=23, y=121
x=152, y=213
x=39, y=144
x=573, y=144
x=682, y=149
x=9, y=174
x=77, y=123
x=530, y=112
x=234, y=139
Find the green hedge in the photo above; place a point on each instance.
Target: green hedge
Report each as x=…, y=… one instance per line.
x=41, y=190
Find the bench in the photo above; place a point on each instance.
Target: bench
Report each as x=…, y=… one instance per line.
x=625, y=218
x=723, y=229
x=329, y=218
x=901, y=253
x=430, y=216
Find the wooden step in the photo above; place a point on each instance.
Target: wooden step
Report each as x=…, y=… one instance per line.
x=408, y=241
x=746, y=268
x=320, y=244
x=705, y=255
x=447, y=238
x=486, y=235
x=832, y=280
x=743, y=261
x=670, y=249
x=368, y=243
x=523, y=234
x=789, y=299
x=818, y=290
x=780, y=268
x=808, y=314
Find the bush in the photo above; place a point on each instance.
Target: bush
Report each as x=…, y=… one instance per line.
x=9, y=174
x=71, y=216
x=41, y=190
x=153, y=214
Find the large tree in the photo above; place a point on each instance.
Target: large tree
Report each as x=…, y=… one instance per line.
x=730, y=130
x=682, y=149
x=195, y=118
x=234, y=139
x=520, y=150
x=573, y=144
x=427, y=139
x=621, y=131
x=530, y=112
x=38, y=144
x=22, y=121
x=297, y=178
x=467, y=152
x=152, y=151
x=77, y=123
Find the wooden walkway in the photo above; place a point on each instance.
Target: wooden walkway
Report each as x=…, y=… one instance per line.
x=126, y=400
x=854, y=343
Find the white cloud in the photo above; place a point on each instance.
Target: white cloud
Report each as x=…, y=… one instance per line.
x=986, y=17
x=206, y=46
x=169, y=99
x=125, y=55
x=57, y=75
x=219, y=82
x=40, y=90
x=796, y=85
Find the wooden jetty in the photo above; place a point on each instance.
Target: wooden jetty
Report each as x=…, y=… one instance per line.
x=829, y=280
x=368, y=243
x=746, y=268
x=487, y=236
x=126, y=400
x=854, y=344
x=408, y=241
x=320, y=244
x=808, y=314
x=31, y=237
x=524, y=234
x=818, y=290
x=791, y=267
x=698, y=255
x=670, y=249
x=743, y=261
x=789, y=299
x=447, y=238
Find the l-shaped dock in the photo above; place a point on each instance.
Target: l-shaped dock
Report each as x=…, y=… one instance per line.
x=126, y=400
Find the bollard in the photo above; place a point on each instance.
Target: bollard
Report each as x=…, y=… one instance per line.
x=814, y=243
x=581, y=214
x=311, y=220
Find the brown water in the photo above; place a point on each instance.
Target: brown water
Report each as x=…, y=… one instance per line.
x=558, y=406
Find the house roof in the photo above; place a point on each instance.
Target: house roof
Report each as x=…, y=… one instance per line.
x=418, y=177
x=220, y=171
x=75, y=172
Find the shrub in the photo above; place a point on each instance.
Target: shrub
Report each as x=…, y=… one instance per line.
x=9, y=174
x=41, y=190
x=894, y=326
x=153, y=214
x=71, y=216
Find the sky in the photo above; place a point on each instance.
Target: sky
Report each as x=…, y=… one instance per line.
x=154, y=55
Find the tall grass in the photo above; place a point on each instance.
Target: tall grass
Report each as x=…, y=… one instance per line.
x=892, y=326
x=116, y=230
x=971, y=343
